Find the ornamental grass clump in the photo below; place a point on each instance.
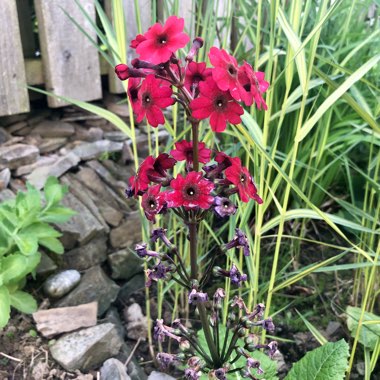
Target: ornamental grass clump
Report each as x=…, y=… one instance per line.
x=157, y=80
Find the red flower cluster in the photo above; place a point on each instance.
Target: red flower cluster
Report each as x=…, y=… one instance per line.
x=212, y=93
x=208, y=189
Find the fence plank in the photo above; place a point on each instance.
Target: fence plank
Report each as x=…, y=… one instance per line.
x=71, y=62
x=13, y=93
x=115, y=85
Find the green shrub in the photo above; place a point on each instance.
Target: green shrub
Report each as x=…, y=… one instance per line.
x=24, y=227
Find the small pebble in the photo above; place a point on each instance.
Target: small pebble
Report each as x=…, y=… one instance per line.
x=60, y=284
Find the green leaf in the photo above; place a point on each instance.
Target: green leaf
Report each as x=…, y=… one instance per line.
x=53, y=191
x=27, y=244
x=328, y=362
x=23, y=302
x=53, y=244
x=5, y=307
x=33, y=197
x=369, y=334
x=40, y=230
x=57, y=214
x=12, y=267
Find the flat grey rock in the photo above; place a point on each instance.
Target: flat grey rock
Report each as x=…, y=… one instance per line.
x=94, y=286
x=82, y=227
x=88, y=348
x=88, y=255
x=53, y=129
x=16, y=155
x=128, y=233
x=125, y=264
x=160, y=376
x=88, y=151
x=46, y=265
x=113, y=369
x=6, y=195
x=39, y=175
x=135, y=284
x=42, y=161
x=51, y=144
x=5, y=177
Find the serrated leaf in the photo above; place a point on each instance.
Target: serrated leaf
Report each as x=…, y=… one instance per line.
x=328, y=362
x=57, y=214
x=5, y=306
x=33, y=197
x=27, y=244
x=12, y=267
x=23, y=302
x=41, y=230
x=369, y=334
x=53, y=244
x=53, y=191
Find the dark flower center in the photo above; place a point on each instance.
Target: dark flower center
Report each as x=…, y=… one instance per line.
x=197, y=78
x=190, y=191
x=220, y=102
x=133, y=94
x=152, y=204
x=243, y=178
x=162, y=40
x=247, y=87
x=146, y=99
x=232, y=70
x=226, y=204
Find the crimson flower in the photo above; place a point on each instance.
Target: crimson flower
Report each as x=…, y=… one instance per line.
x=254, y=86
x=240, y=177
x=151, y=98
x=216, y=104
x=137, y=41
x=161, y=41
x=133, y=90
x=191, y=191
x=153, y=202
x=184, y=151
x=151, y=170
x=195, y=73
x=225, y=72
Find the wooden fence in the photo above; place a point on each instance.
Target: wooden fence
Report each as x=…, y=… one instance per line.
x=68, y=65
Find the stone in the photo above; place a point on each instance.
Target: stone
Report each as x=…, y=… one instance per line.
x=39, y=175
x=4, y=136
x=91, y=150
x=113, y=369
x=118, y=186
x=88, y=255
x=81, y=192
x=127, y=154
x=113, y=104
x=17, y=155
x=116, y=136
x=137, y=323
x=87, y=348
x=81, y=227
x=5, y=176
x=130, y=288
x=112, y=316
x=17, y=185
x=88, y=134
x=6, y=195
x=56, y=321
x=125, y=264
x=41, y=161
x=53, y=129
x=46, y=265
x=49, y=145
x=94, y=286
x=134, y=370
x=160, y=376
x=57, y=285
x=17, y=126
x=128, y=233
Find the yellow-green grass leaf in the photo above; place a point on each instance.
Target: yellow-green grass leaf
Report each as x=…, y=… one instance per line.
x=317, y=335
x=333, y=98
x=111, y=117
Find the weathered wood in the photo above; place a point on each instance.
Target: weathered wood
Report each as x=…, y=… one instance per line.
x=24, y=10
x=13, y=93
x=71, y=62
x=115, y=85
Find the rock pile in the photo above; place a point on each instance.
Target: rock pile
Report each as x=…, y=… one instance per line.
x=94, y=160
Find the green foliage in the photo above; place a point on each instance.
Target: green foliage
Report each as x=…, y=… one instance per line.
x=328, y=362
x=369, y=333
x=24, y=227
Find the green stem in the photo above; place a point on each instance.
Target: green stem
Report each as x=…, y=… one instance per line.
x=208, y=335
x=194, y=128
x=234, y=339
x=193, y=250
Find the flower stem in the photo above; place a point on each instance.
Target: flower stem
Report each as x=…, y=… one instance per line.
x=194, y=127
x=193, y=250
x=208, y=335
